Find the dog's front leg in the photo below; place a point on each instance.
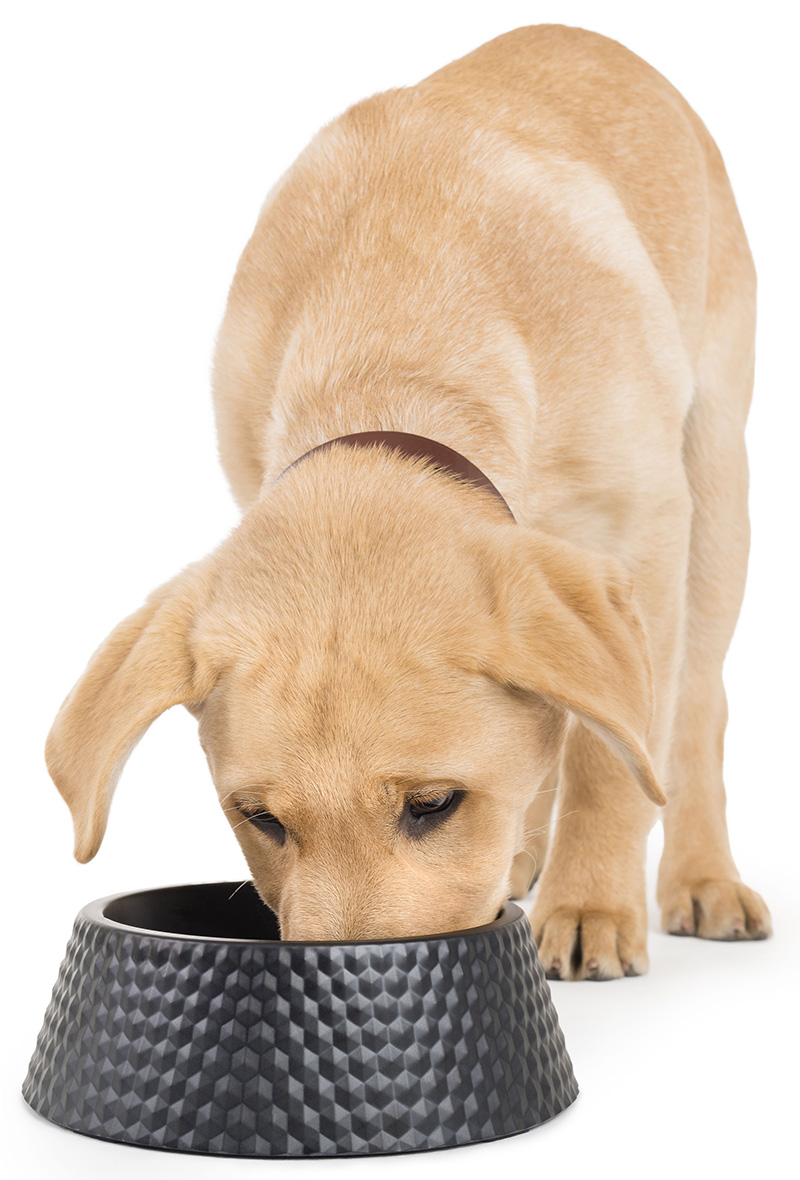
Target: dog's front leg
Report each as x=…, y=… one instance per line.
x=589, y=915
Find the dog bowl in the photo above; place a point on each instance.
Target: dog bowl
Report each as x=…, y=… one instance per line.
x=179, y=1020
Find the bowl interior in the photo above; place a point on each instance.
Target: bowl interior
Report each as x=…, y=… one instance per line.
x=229, y=911
x=219, y=909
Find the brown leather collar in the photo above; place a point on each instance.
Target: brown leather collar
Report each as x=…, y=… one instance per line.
x=413, y=446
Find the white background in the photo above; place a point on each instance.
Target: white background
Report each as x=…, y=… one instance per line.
x=138, y=143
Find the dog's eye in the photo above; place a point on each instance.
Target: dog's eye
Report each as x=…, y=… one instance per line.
x=424, y=812
x=430, y=804
x=265, y=821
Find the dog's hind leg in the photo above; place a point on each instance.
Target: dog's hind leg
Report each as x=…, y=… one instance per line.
x=699, y=889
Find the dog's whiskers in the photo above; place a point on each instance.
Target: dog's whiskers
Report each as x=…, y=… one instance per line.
x=533, y=832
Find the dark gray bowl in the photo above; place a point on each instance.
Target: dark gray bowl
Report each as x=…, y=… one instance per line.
x=180, y=1021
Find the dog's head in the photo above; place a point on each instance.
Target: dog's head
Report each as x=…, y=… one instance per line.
x=380, y=692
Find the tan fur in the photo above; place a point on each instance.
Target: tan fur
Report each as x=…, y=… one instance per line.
x=535, y=258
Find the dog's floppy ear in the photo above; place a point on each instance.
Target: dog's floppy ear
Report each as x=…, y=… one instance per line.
x=145, y=666
x=568, y=630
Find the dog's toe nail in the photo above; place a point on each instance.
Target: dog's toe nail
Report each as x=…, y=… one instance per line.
x=592, y=965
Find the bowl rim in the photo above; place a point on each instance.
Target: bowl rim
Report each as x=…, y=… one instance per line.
x=94, y=912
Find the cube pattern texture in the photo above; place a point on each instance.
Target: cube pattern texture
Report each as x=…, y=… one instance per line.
x=263, y=1048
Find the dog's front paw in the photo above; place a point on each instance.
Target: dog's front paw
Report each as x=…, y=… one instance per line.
x=716, y=908
x=598, y=944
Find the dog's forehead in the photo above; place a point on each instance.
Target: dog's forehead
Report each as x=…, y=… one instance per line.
x=322, y=694
x=322, y=560
x=360, y=719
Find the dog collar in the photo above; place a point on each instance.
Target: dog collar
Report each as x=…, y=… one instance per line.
x=413, y=446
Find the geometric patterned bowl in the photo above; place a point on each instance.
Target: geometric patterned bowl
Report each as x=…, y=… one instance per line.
x=179, y=1020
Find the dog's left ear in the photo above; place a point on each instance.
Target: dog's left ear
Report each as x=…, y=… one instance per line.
x=567, y=629
x=146, y=665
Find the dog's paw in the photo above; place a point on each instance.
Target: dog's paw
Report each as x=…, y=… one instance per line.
x=716, y=908
x=590, y=944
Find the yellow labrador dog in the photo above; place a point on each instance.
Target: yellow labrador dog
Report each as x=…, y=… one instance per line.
x=517, y=303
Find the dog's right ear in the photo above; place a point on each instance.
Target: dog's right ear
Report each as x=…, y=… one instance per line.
x=146, y=665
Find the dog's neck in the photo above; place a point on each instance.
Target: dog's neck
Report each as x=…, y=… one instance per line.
x=412, y=446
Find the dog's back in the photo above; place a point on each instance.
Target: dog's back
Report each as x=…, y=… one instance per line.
x=578, y=96
x=446, y=211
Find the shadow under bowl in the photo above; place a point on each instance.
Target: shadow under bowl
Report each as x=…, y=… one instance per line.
x=180, y=1021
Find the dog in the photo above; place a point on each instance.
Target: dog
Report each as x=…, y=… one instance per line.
x=480, y=389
